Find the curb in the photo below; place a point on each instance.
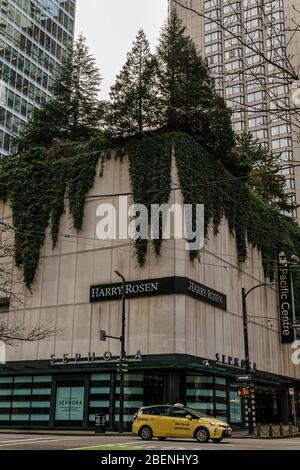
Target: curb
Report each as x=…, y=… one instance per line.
x=115, y=434
x=286, y=436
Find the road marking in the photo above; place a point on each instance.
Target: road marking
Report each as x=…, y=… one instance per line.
x=108, y=444
x=36, y=440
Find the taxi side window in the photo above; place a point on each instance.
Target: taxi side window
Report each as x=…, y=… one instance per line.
x=160, y=411
x=178, y=413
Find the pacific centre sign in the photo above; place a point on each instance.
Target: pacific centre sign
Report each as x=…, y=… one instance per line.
x=158, y=287
x=285, y=295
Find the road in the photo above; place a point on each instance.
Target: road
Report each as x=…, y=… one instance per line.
x=63, y=442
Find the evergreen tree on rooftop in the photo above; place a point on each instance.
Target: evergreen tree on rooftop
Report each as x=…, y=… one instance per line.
x=74, y=113
x=188, y=100
x=134, y=101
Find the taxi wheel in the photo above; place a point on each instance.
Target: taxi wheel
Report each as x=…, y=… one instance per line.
x=217, y=440
x=162, y=438
x=202, y=435
x=146, y=433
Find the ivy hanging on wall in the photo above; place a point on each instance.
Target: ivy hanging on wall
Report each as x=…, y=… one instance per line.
x=203, y=180
x=38, y=183
x=150, y=162
x=37, y=187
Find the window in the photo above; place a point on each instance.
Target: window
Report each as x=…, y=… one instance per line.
x=237, y=64
x=260, y=134
x=282, y=129
x=290, y=183
x=214, y=59
x=213, y=48
x=239, y=126
x=179, y=412
x=231, y=8
x=211, y=4
x=286, y=156
x=257, y=96
x=281, y=143
x=233, y=53
x=217, y=35
x=234, y=89
x=287, y=170
x=160, y=411
x=257, y=121
x=254, y=59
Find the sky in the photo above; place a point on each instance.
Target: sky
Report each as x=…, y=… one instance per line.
x=112, y=25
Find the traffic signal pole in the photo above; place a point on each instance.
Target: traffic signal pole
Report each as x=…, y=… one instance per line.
x=247, y=359
x=121, y=368
x=122, y=356
x=246, y=345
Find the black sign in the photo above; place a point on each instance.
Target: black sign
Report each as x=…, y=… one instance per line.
x=287, y=331
x=157, y=287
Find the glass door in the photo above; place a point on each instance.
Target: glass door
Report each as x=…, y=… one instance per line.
x=69, y=406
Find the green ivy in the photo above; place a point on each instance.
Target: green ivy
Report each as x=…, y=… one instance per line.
x=150, y=161
x=37, y=188
x=204, y=180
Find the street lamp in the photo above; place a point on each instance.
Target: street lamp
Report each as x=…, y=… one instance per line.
x=122, y=355
x=246, y=345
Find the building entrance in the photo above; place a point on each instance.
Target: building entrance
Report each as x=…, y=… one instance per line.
x=266, y=401
x=69, y=404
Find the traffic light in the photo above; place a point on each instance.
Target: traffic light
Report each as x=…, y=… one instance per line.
x=244, y=392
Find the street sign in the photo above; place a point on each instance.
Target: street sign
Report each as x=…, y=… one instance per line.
x=291, y=391
x=243, y=378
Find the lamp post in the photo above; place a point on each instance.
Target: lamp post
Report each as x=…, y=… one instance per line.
x=122, y=355
x=246, y=345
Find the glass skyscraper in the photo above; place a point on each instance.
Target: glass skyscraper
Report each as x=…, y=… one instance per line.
x=35, y=37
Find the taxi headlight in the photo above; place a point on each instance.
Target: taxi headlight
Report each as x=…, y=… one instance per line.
x=213, y=423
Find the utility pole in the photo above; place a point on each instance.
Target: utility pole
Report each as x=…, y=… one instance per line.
x=246, y=345
x=122, y=362
x=122, y=355
x=247, y=359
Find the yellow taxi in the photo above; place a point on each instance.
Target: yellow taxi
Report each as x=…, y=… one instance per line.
x=165, y=421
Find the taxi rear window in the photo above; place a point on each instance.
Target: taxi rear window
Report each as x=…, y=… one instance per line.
x=159, y=411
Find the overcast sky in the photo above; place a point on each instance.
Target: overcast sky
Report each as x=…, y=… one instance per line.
x=110, y=27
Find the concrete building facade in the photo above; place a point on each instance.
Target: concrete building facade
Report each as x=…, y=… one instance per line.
x=184, y=329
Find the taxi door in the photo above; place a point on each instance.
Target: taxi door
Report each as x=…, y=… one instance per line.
x=160, y=421
x=180, y=425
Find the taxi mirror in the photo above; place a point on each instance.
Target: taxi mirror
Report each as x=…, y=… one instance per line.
x=189, y=417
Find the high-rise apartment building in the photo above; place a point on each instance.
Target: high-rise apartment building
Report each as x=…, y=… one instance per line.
x=35, y=37
x=236, y=36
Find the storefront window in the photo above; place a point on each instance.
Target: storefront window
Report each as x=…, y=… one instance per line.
x=100, y=390
x=220, y=398
x=25, y=400
x=133, y=397
x=207, y=394
x=69, y=404
x=200, y=393
x=235, y=404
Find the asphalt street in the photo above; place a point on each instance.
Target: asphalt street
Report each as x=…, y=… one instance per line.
x=63, y=442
